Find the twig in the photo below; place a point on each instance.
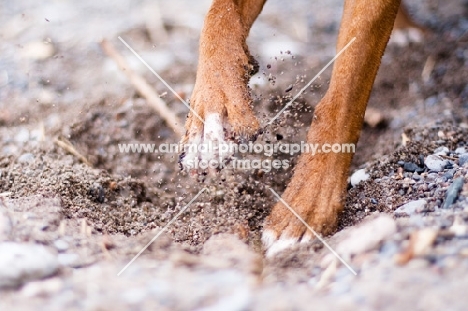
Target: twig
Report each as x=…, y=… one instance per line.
x=144, y=88
x=68, y=147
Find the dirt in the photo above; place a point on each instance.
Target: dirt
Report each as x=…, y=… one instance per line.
x=108, y=210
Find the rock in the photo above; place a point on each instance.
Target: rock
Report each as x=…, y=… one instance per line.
x=373, y=117
x=359, y=176
x=44, y=288
x=452, y=192
x=463, y=159
x=37, y=50
x=68, y=260
x=21, y=263
x=435, y=163
x=416, y=177
x=26, y=158
x=449, y=174
x=22, y=135
x=442, y=151
x=411, y=208
x=461, y=150
x=412, y=167
x=367, y=236
x=459, y=228
x=61, y=245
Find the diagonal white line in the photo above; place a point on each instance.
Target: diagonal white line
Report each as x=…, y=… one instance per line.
x=313, y=231
x=311, y=81
x=160, y=232
x=161, y=79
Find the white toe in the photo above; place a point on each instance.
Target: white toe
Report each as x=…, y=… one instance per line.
x=281, y=244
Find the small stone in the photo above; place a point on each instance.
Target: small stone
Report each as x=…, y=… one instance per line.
x=463, y=159
x=359, y=176
x=459, y=228
x=373, y=117
x=435, y=163
x=452, y=192
x=416, y=177
x=367, y=236
x=442, y=151
x=449, y=174
x=21, y=263
x=44, y=288
x=22, y=135
x=61, y=245
x=412, y=167
x=37, y=50
x=431, y=177
x=68, y=260
x=461, y=150
x=26, y=158
x=411, y=208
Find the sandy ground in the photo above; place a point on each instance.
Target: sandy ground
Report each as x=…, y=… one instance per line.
x=67, y=229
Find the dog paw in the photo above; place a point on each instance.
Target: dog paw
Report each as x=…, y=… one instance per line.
x=221, y=114
x=314, y=197
x=281, y=235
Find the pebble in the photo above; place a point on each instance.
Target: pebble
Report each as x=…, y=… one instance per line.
x=359, y=176
x=42, y=288
x=442, y=151
x=367, y=236
x=463, y=159
x=411, y=208
x=26, y=158
x=416, y=177
x=37, y=50
x=449, y=174
x=452, y=192
x=461, y=150
x=412, y=167
x=68, y=260
x=21, y=263
x=435, y=163
x=22, y=135
x=61, y=245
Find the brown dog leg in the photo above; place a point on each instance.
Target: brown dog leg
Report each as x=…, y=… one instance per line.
x=318, y=185
x=220, y=102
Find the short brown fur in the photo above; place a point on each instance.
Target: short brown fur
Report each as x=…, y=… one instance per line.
x=317, y=188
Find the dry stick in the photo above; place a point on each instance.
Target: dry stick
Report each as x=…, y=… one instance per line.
x=67, y=146
x=144, y=88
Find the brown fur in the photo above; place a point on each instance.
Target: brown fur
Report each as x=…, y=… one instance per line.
x=318, y=185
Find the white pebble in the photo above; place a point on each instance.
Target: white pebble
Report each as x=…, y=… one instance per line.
x=21, y=263
x=435, y=163
x=359, y=176
x=411, y=208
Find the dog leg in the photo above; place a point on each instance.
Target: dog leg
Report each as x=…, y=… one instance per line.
x=317, y=189
x=220, y=102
